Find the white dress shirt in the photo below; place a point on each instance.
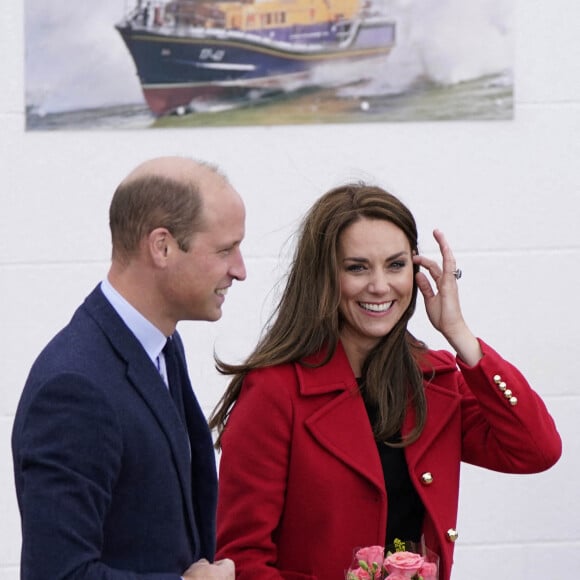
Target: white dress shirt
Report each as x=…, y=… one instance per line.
x=150, y=337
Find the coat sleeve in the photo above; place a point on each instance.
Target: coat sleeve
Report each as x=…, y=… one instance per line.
x=253, y=474
x=67, y=451
x=505, y=424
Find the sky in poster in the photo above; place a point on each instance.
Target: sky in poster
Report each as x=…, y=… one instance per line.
x=75, y=58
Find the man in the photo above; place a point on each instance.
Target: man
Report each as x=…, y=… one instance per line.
x=114, y=479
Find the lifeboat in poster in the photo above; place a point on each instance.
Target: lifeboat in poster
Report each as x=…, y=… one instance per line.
x=185, y=50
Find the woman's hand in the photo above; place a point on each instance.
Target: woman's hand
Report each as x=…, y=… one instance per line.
x=442, y=305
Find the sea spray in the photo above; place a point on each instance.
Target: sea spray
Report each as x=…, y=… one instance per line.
x=442, y=42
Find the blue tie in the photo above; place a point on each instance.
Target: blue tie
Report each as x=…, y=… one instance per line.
x=174, y=377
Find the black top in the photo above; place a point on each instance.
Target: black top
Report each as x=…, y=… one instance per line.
x=405, y=510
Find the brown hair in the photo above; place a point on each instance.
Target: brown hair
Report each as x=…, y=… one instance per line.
x=144, y=203
x=307, y=317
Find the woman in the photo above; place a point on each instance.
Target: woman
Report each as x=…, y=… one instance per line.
x=342, y=430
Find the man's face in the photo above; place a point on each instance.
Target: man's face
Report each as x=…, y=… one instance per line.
x=198, y=279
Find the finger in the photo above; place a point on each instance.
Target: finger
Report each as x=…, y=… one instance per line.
x=196, y=567
x=424, y=285
x=431, y=265
x=227, y=568
x=449, y=264
x=224, y=562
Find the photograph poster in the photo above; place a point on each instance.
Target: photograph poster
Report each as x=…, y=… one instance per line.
x=119, y=64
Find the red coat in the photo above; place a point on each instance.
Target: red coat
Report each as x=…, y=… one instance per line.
x=301, y=483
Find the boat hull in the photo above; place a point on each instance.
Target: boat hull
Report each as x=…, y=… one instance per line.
x=175, y=69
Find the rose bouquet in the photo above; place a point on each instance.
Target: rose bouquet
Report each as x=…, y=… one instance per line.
x=403, y=561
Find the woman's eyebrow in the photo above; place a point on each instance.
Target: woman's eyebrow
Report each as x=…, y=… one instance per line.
x=387, y=259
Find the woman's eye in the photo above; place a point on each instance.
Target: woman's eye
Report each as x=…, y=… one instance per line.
x=398, y=265
x=355, y=268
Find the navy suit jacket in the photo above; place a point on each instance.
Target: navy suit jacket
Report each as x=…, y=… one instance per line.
x=105, y=484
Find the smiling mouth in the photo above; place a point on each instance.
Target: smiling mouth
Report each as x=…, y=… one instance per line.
x=373, y=307
x=221, y=291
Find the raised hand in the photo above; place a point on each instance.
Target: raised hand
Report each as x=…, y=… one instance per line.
x=442, y=301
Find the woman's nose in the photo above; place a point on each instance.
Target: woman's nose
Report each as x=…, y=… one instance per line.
x=379, y=283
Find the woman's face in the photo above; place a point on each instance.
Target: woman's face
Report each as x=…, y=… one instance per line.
x=376, y=283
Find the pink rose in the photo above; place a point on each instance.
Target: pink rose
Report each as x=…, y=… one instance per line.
x=407, y=563
x=397, y=576
x=358, y=574
x=371, y=555
x=429, y=571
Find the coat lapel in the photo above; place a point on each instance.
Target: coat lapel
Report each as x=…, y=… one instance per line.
x=341, y=425
x=441, y=406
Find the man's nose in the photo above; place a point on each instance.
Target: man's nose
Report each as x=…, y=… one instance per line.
x=238, y=269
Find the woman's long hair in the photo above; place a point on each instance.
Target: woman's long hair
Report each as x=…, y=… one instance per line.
x=307, y=319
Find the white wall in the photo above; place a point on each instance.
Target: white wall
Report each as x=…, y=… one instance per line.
x=505, y=193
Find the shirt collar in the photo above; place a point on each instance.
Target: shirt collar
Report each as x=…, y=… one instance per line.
x=150, y=337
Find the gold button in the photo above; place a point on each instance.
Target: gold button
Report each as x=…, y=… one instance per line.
x=502, y=386
x=507, y=393
x=497, y=379
x=427, y=478
x=513, y=401
x=452, y=535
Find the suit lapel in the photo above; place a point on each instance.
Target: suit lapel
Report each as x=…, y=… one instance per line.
x=143, y=376
x=203, y=467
